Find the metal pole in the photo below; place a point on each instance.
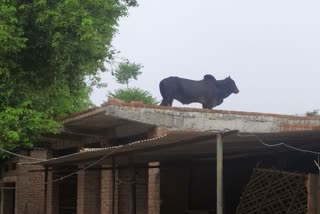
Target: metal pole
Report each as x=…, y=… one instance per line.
x=113, y=186
x=133, y=200
x=219, y=174
x=45, y=189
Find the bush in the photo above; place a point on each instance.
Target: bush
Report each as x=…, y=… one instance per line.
x=134, y=94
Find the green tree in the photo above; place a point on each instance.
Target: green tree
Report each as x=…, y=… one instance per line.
x=123, y=74
x=50, y=54
x=134, y=94
x=127, y=71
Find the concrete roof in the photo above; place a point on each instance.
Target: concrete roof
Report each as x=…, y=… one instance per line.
x=119, y=119
x=136, y=117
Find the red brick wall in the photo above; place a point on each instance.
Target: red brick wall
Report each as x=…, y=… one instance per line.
x=154, y=178
x=52, y=195
x=30, y=200
x=141, y=182
x=106, y=191
x=154, y=189
x=142, y=190
x=124, y=191
x=89, y=192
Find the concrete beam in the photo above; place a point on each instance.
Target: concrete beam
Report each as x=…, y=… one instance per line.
x=176, y=119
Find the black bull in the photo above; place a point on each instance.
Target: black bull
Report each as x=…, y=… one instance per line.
x=209, y=91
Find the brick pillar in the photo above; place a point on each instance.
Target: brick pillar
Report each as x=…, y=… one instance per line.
x=30, y=200
x=142, y=190
x=124, y=191
x=52, y=195
x=106, y=191
x=89, y=192
x=154, y=200
x=154, y=189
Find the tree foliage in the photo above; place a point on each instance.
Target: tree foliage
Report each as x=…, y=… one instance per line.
x=127, y=71
x=314, y=113
x=48, y=49
x=134, y=94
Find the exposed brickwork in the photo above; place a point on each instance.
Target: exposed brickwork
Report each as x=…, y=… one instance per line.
x=52, y=195
x=154, y=189
x=106, y=191
x=154, y=178
x=89, y=192
x=124, y=191
x=142, y=191
x=286, y=127
x=157, y=132
x=141, y=181
x=29, y=181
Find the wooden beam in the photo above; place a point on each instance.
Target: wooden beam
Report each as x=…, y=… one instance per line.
x=313, y=194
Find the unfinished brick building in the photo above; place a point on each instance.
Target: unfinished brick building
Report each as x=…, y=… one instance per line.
x=130, y=158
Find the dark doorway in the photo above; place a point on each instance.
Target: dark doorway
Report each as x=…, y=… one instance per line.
x=9, y=199
x=68, y=195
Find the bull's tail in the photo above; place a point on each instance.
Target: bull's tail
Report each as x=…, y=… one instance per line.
x=161, y=87
x=165, y=93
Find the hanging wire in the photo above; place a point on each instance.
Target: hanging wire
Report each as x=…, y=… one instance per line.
x=211, y=130
x=69, y=175
x=21, y=156
x=278, y=144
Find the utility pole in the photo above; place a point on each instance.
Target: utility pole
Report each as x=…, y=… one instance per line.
x=219, y=173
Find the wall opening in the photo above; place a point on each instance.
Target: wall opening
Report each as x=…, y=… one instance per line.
x=8, y=199
x=67, y=194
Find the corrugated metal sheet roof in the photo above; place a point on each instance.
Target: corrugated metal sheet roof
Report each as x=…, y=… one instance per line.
x=172, y=138
x=188, y=144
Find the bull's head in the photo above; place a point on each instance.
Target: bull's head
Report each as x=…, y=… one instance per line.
x=232, y=85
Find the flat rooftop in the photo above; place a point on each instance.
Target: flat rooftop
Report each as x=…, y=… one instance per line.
x=135, y=117
x=189, y=132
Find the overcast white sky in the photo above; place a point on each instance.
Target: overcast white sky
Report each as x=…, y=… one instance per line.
x=270, y=48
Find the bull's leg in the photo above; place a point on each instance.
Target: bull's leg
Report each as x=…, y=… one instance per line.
x=207, y=105
x=163, y=103
x=166, y=102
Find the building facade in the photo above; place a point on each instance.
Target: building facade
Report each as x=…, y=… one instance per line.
x=130, y=158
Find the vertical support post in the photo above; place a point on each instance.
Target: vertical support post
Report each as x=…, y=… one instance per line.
x=219, y=174
x=133, y=201
x=45, y=188
x=113, y=186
